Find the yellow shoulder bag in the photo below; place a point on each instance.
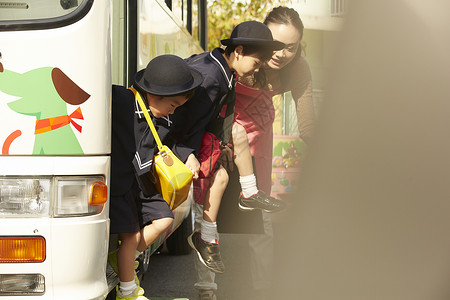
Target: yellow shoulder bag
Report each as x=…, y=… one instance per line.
x=173, y=177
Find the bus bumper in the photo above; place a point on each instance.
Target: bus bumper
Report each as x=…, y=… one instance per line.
x=75, y=259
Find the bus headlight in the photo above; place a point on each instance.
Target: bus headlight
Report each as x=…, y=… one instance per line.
x=79, y=196
x=24, y=196
x=59, y=196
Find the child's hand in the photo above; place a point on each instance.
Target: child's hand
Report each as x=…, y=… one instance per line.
x=193, y=164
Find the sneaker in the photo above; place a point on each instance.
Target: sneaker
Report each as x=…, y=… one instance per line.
x=112, y=260
x=260, y=201
x=208, y=253
x=137, y=294
x=207, y=295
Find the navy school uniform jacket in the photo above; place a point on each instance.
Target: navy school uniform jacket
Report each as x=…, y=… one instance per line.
x=201, y=112
x=132, y=143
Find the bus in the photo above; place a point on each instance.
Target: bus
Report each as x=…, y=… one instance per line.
x=58, y=60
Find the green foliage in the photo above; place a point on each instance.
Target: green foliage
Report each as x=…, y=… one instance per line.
x=281, y=147
x=224, y=15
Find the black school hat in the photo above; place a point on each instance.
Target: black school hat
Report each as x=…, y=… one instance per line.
x=252, y=33
x=167, y=75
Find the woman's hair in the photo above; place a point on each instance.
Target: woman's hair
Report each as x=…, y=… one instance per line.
x=279, y=15
x=285, y=15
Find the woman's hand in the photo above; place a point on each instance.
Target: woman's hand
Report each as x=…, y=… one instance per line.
x=193, y=164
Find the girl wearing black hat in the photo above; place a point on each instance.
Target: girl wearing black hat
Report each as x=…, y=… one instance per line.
x=138, y=212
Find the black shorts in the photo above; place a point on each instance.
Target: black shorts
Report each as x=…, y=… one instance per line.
x=134, y=210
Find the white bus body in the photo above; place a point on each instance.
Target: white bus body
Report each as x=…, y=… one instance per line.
x=62, y=162
x=56, y=61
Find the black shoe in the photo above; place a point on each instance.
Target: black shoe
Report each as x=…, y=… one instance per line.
x=260, y=201
x=208, y=253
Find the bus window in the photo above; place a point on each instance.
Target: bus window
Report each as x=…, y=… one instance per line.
x=177, y=9
x=41, y=14
x=161, y=32
x=195, y=20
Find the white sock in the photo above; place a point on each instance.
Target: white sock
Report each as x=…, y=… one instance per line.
x=248, y=185
x=209, y=232
x=127, y=287
x=137, y=254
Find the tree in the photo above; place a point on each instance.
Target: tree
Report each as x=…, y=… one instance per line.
x=224, y=15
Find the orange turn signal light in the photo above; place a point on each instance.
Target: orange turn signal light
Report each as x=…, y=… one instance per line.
x=22, y=249
x=99, y=193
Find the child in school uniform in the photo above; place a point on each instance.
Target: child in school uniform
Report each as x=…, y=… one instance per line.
x=211, y=110
x=138, y=211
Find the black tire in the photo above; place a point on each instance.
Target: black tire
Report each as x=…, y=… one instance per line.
x=177, y=243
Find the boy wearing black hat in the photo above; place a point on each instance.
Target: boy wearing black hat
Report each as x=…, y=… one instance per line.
x=249, y=46
x=138, y=212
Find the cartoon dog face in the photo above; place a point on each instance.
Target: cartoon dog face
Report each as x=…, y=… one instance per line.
x=44, y=92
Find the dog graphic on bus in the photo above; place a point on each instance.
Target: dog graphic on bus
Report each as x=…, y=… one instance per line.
x=44, y=94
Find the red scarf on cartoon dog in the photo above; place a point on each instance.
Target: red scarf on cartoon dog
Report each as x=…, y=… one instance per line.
x=49, y=124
